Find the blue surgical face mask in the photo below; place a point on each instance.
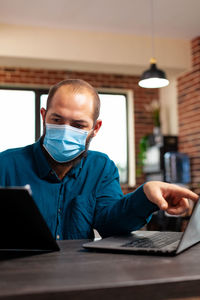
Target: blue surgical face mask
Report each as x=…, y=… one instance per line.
x=64, y=142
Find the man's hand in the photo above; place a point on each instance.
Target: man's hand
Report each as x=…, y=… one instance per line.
x=169, y=197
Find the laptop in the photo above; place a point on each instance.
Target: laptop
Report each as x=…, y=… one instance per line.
x=153, y=242
x=22, y=227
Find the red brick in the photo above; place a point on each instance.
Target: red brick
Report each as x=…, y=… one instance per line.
x=188, y=88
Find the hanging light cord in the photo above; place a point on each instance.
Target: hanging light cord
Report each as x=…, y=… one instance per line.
x=152, y=29
x=153, y=77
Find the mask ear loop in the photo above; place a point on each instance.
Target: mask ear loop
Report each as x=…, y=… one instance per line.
x=93, y=128
x=87, y=143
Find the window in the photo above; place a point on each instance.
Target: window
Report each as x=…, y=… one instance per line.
x=116, y=137
x=112, y=137
x=17, y=120
x=20, y=117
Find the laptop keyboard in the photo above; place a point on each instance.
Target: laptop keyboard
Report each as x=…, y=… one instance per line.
x=157, y=240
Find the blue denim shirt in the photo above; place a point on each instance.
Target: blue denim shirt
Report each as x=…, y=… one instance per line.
x=89, y=197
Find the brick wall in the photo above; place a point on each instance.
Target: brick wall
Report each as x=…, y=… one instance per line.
x=189, y=114
x=34, y=77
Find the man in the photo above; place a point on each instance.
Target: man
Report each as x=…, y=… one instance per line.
x=78, y=190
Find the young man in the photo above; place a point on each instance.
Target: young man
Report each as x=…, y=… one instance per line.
x=75, y=189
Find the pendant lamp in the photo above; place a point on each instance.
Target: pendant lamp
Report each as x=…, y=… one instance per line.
x=153, y=77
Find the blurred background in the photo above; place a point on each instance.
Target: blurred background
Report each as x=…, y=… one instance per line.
x=150, y=133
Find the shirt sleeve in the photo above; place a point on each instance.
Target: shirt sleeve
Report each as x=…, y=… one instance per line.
x=117, y=213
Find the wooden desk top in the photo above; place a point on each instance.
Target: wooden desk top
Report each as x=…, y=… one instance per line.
x=75, y=273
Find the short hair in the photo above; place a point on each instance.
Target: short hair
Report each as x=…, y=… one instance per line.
x=77, y=85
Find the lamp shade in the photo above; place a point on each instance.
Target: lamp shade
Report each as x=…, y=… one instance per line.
x=153, y=78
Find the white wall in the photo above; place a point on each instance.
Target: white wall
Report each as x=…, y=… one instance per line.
x=169, y=110
x=37, y=47
x=75, y=49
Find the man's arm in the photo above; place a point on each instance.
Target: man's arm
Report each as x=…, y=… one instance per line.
x=118, y=214
x=129, y=213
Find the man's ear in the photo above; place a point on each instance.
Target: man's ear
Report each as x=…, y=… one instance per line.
x=97, y=127
x=43, y=113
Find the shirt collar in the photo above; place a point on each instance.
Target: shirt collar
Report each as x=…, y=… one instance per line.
x=40, y=159
x=44, y=168
x=74, y=172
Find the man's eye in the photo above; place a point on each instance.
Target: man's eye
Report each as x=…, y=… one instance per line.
x=78, y=126
x=56, y=120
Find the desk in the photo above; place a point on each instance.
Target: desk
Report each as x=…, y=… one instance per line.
x=75, y=273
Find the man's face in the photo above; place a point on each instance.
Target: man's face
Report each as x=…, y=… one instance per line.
x=74, y=109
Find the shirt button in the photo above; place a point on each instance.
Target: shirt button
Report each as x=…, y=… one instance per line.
x=58, y=237
x=59, y=210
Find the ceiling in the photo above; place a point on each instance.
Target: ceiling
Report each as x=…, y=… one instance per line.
x=172, y=18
